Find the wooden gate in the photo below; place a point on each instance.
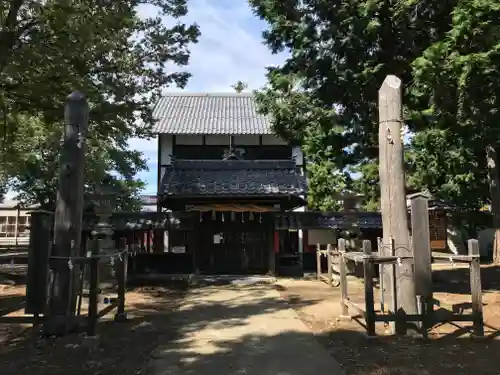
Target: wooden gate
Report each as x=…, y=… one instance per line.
x=232, y=243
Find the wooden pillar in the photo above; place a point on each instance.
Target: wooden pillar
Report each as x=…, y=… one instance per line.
x=121, y=276
x=329, y=260
x=93, y=289
x=318, y=261
x=392, y=188
x=422, y=259
x=158, y=235
x=368, y=284
x=68, y=216
x=475, y=286
x=270, y=236
x=148, y=239
x=194, y=245
x=343, y=278
x=38, y=261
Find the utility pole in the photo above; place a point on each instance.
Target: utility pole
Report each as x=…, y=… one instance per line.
x=68, y=216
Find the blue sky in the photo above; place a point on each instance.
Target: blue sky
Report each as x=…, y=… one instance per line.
x=230, y=49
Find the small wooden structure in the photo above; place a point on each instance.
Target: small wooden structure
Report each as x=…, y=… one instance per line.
x=39, y=261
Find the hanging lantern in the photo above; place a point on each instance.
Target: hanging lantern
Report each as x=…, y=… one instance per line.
x=233, y=216
x=214, y=215
x=222, y=216
x=250, y=216
x=242, y=217
x=260, y=217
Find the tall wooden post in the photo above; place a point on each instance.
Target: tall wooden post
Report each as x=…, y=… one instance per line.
x=68, y=215
x=392, y=188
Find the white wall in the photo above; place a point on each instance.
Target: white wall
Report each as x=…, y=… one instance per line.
x=166, y=148
x=321, y=236
x=299, y=156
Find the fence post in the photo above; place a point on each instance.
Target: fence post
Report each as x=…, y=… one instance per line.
x=422, y=259
x=121, y=315
x=343, y=278
x=38, y=261
x=93, y=288
x=329, y=259
x=318, y=261
x=380, y=275
x=475, y=286
x=368, y=283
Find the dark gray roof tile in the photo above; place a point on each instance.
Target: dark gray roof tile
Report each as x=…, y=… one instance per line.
x=233, y=177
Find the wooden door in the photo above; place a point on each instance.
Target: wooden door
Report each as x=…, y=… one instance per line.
x=232, y=247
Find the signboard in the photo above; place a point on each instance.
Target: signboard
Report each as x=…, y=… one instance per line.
x=179, y=249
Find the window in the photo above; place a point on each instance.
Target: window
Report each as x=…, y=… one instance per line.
x=23, y=226
x=9, y=225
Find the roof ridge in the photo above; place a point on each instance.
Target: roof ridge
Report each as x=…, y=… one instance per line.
x=232, y=164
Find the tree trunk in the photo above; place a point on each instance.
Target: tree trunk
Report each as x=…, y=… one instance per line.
x=491, y=163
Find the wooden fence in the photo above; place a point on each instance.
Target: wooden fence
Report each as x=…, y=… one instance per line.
x=427, y=316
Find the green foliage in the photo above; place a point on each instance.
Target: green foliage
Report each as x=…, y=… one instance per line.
x=121, y=61
x=239, y=86
x=457, y=80
x=325, y=94
x=36, y=167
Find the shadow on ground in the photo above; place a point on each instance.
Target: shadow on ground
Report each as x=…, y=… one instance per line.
x=10, y=303
x=163, y=321
x=457, y=280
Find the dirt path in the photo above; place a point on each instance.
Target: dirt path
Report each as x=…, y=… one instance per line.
x=230, y=330
x=449, y=351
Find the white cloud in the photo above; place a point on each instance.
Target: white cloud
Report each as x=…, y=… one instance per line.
x=230, y=48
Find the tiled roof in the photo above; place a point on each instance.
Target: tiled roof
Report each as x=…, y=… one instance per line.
x=233, y=178
x=228, y=114
x=329, y=220
x=432, y=202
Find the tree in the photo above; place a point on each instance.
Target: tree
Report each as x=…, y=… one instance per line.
x=37, y=163
x=121, y=61
x=326, y=91
x=457, y=78
x=239, y=86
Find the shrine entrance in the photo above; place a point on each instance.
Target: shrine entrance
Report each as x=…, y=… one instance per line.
x=234, y=243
